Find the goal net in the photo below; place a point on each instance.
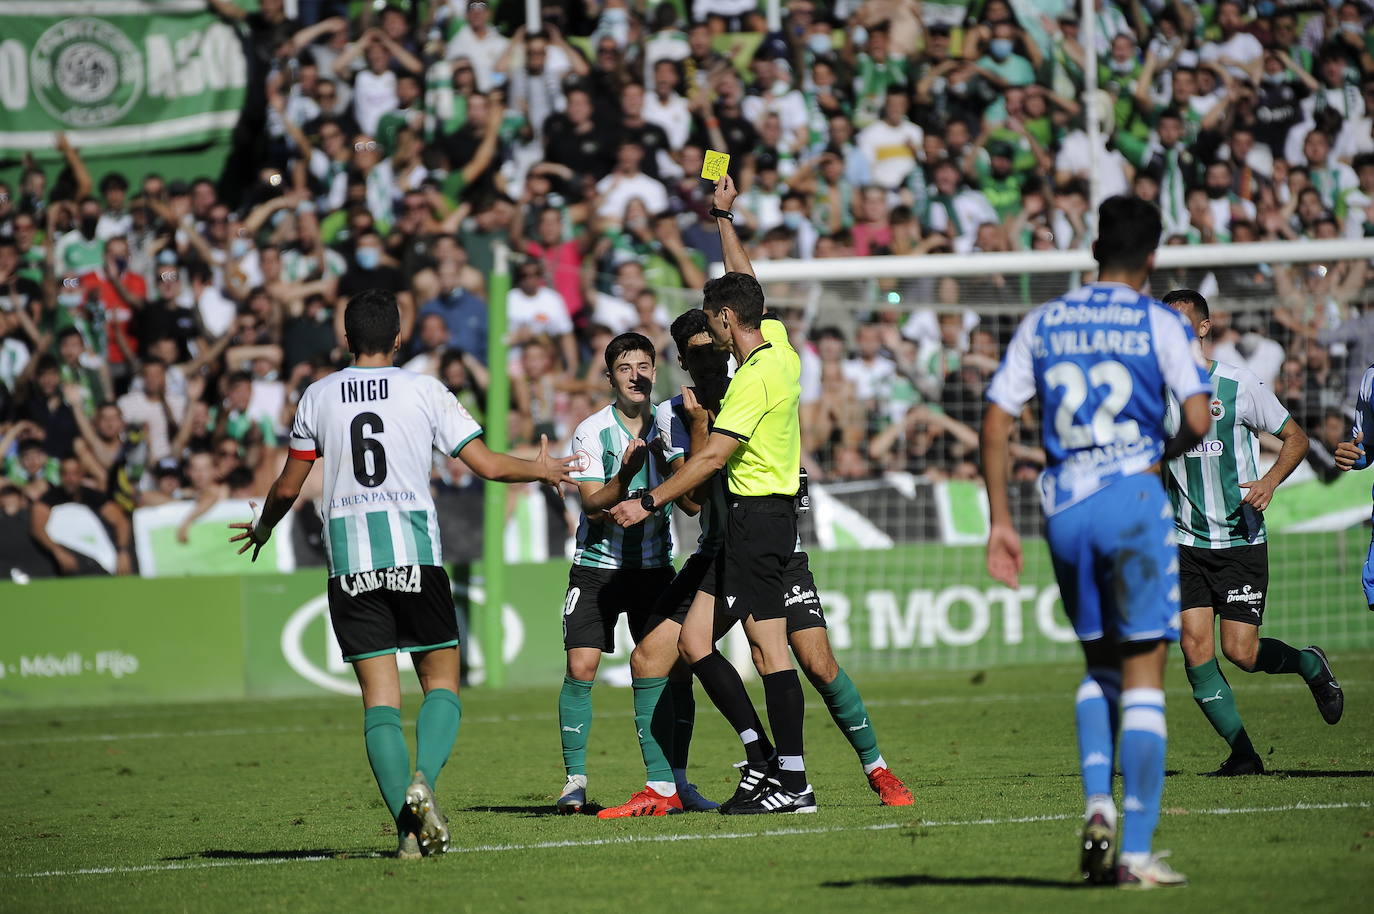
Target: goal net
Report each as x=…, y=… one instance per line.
x=897, y=352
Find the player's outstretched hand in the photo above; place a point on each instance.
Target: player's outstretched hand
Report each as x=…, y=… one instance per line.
x=249, y=536
x=555, y=471
x=1258, y=494
x=1005, y=561
x=1348, y=453
x=628, y=513
x=726, y=192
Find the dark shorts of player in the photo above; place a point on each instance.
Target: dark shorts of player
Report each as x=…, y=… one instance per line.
x=1234, y=582
x=392, y=609
x=597, y=596
x=760, y=537
x=701, y=574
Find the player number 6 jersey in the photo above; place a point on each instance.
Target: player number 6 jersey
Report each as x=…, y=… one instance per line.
x=376, y=429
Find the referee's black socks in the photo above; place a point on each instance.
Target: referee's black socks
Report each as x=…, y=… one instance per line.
x=786, y=708
x=726, y=691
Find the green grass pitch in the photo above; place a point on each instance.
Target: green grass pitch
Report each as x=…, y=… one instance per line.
x=270, y=806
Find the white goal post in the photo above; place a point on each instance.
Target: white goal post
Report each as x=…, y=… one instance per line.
x=981, y=264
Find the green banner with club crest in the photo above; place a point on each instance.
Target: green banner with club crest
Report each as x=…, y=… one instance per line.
x=117, y=76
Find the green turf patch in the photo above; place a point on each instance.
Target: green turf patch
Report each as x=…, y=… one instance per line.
x=271, y=806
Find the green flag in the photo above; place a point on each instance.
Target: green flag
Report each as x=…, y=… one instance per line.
x=117, y=76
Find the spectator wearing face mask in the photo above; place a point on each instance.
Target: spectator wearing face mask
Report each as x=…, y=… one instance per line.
x=1251, y=350
x=1002, y=66
x=80, y=250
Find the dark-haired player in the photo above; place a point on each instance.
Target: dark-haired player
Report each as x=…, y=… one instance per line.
x=1100, y=360
x=618, y=457
x=1219, y=497
x=376, y=427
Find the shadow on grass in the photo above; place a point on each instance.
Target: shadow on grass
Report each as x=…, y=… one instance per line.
x=308, y=854
x=533, y=811
x=913, y=880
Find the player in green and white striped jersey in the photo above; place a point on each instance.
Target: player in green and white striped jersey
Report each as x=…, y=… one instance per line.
x=376, y=429
x=615, y=570
x=1218, y=497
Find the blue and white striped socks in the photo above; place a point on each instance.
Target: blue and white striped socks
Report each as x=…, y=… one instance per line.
x=1096, y=716
x=1143, y=740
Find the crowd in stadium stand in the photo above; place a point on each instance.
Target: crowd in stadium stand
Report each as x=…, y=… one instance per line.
x=155, y=334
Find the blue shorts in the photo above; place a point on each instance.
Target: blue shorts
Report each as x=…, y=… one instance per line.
x=1116, y=561
x=1367, y=575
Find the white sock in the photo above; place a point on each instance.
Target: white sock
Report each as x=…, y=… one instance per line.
x=875, y=765
x=663, y=788
x=1133, y=859
x=579, y=779
x=1101, y=803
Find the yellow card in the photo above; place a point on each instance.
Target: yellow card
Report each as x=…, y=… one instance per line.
x=714, y=164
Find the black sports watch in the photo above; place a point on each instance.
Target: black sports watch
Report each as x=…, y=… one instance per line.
x=646, y=502
x=722, y=214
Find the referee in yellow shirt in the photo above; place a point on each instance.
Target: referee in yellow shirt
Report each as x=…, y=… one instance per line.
x=757, y=440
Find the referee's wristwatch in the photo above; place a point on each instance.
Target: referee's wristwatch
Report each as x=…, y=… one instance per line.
x=722, y=213
x=646, y=502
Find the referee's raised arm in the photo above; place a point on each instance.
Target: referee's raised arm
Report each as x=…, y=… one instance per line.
x=736, y=260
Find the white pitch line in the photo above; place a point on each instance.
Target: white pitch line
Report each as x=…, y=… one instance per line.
x=664, y=839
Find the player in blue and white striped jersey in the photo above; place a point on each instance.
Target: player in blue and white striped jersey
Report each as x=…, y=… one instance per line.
x=1354, y=455
x=1101, y=360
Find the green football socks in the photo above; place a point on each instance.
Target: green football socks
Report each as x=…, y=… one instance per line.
x=575, y=723
x=388, y=755
x=1276, y=657
x=436, y=730
x=654, y=723
x=684, y=721
x=1213, y=695
x=847, y=708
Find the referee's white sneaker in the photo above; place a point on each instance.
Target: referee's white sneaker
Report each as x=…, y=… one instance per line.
x=1150, y=873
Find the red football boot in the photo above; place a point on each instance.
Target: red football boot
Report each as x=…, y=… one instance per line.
x=645, y=803
x=889, y=788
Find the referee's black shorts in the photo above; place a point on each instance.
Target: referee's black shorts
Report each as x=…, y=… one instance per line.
x=760, y=537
